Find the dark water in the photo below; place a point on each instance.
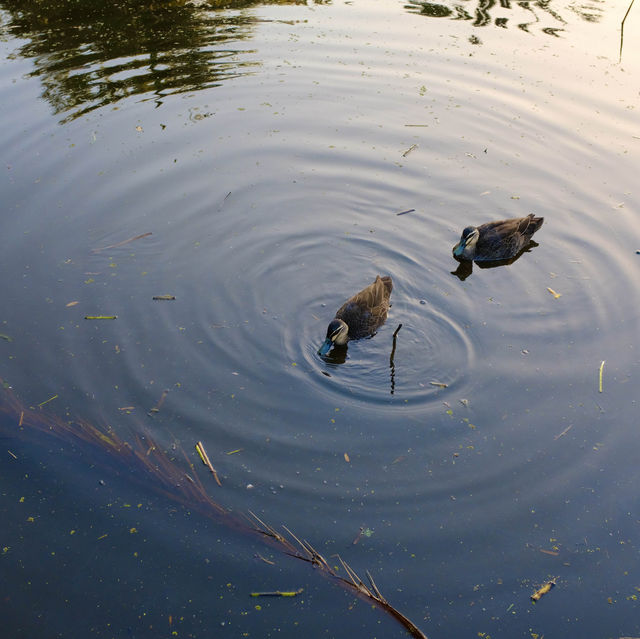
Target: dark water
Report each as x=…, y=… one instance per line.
x=266, y=151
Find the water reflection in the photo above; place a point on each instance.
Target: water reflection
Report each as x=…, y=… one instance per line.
x=525, y=15
x=89, y=55
x=337, y=355
x=465, y=267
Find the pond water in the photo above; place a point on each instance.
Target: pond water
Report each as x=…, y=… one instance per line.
x=252, y=160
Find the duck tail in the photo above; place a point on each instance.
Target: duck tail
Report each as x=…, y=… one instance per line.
x=388, y=284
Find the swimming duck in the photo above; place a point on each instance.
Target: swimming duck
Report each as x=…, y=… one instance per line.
x=499, y=240
x=360, y=316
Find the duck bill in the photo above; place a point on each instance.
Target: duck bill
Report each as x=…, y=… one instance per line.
x=458, y=249
x=326, y=347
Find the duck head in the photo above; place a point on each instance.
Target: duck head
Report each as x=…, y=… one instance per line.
x=465, y=248
x=337, y=333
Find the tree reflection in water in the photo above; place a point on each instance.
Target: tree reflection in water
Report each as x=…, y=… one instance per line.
x=525, y=15
x=91, y=54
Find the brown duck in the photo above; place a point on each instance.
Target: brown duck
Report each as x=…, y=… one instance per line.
x=360, y=316
x=495, y=241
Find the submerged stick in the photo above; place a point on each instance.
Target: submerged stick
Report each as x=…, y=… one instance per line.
x=156, y=408
x=622, y=29
x=205, y=460
x=131, y=239
x=600, y=376
x=393, y=349
x=392, y=365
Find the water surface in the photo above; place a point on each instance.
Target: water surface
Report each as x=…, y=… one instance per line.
x=267, y=150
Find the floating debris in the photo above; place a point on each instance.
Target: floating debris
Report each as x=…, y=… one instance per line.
x=346, y=458
x=75, y=303
x=7, y=338
x=411, y=148
x=405, y=212
x=564, y=432
x=131, y=239
x=600, y=376
x=439, y=384
x=205, y=460
x=101, y=317
x=164, y=297
x=46, y=401
x=156, y=408
x=538, y=594
x=278, y=593
x=266, y=561
x=555, y=295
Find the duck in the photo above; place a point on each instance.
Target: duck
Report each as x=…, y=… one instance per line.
x=500, y=240
x=360, y=316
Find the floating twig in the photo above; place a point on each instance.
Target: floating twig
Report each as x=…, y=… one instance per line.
x=131, y=239
x=278, y=593
x=12, y=454
x=266, y=561
x=564, y=432
x=622, y=28
x=405, y=212
x=101, y=317
x=411, y=148
x=600, y=376
x=7, y=338
x=46, y=401
x=164, y=297
x=555, y=295
x=439, y=384
x=543, y=590
x=205, y=460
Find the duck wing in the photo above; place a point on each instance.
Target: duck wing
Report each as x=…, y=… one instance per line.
x=505, y=238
